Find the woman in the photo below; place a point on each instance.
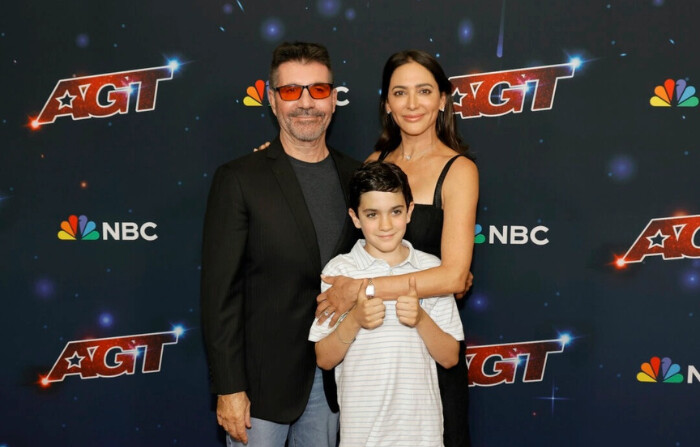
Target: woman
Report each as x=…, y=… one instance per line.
x=419, y=135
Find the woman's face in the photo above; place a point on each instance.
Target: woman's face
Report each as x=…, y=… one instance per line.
x=414, y=99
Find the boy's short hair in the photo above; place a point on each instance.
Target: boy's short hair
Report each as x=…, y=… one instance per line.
x=378, y=176
x=303, y=52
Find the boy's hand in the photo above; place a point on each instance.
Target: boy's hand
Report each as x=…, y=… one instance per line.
x=408, y=309
x=369, y=313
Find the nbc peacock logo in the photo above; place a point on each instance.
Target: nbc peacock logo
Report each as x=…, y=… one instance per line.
x=78, y=228
x=674, y=93
x=478, y=237
x=660, y=370
x=255, y=94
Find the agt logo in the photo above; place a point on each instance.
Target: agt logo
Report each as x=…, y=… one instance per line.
x=256, y=93
x=111, y=357
x=101, y=96
x=684, y=94
x=668, y=237
x=512, y=235
x=501, y=92
x=81, y=228
x=491, y=365
x=665, y=371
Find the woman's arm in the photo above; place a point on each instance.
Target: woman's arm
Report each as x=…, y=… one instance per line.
x=460, y=195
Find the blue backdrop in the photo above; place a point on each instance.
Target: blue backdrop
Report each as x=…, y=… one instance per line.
x=582, y=322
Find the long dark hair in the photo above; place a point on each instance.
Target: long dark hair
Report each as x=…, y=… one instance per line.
x=446, y=124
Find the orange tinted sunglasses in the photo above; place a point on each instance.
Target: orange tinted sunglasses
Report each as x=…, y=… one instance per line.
x=292, y=92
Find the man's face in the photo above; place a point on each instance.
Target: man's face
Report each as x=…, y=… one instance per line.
x=305, y=119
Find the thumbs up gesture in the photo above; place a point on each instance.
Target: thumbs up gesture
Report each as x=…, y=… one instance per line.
x=368, y=312
x=408, y=309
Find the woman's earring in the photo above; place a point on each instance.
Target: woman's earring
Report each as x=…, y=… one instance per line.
x=442, y=109
x=388, y=112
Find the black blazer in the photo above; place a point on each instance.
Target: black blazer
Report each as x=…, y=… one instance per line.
x=260, y=278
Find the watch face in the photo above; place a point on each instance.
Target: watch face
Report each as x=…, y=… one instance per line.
x=369, y=291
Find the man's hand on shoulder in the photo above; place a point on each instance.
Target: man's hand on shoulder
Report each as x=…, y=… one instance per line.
x=233, y=414
x=262, y=147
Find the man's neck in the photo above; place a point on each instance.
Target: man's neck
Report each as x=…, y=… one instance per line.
x=308, y=151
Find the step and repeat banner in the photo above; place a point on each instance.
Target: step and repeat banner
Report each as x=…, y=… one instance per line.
x=583, y=323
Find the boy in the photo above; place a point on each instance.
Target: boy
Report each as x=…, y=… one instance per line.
x=385, y=352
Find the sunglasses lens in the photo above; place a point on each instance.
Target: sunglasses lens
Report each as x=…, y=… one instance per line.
x=320, y=91
x=290, y=92
x=293, y=92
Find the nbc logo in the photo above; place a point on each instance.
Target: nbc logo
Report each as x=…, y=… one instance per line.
x=660, y=370
x=256, y=92
x=78, y=228
x=511, y=234
x=81, y=228
x=664, y=97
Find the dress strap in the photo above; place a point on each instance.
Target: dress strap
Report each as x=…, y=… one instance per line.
x=437, y=198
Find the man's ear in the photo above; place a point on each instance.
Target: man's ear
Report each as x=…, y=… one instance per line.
x=273, y=100
x=334, y=95
x=355, y=219
x=409, y=212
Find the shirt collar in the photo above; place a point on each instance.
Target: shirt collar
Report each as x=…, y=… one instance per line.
x=364, y=259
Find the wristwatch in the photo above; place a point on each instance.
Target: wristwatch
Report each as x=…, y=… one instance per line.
x=369, y=291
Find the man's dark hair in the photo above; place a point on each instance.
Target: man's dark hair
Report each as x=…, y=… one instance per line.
x=303, y=52
x=378, y=176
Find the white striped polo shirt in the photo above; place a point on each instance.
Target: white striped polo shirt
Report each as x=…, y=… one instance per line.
x=387, y=383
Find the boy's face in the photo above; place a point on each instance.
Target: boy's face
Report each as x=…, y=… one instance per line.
x=382, y=217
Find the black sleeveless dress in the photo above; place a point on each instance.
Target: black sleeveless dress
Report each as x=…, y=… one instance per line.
x=425, y=233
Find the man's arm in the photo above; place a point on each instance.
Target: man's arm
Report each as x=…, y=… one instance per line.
x=222, y=301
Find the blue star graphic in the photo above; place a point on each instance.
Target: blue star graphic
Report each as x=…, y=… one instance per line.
x=553, y=397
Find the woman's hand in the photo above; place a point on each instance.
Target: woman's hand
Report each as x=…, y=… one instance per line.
x=467, y=286
x=338, y=299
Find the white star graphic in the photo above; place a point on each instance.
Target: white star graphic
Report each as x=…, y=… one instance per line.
x=657, y=240
x=457, y=97
x=74, y=360
x=66, y=100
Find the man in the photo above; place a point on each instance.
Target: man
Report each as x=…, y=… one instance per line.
x=273, y=219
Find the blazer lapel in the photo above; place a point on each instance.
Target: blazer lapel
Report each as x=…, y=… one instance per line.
x=289, y=185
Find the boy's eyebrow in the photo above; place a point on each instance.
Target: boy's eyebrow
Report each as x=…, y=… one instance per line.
x=364, y=210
